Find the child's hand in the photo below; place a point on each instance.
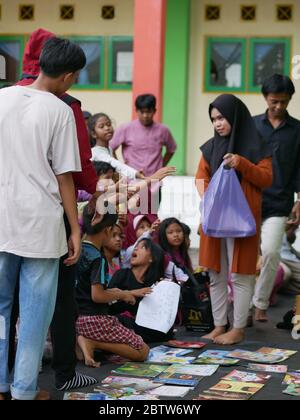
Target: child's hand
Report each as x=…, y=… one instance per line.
x=155, y=226
x=140, y=293
x=163, y=173
x=128, y=298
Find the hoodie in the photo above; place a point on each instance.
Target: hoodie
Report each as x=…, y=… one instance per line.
x=87, y=179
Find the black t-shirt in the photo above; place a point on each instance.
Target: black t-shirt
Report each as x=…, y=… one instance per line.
x=125, y=280
x=284, y=140
x=92, y=269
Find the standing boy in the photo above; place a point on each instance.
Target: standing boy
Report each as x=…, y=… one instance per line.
x=38, y=152
x=282, y=133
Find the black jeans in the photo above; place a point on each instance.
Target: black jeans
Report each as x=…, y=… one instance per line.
x=63, y=335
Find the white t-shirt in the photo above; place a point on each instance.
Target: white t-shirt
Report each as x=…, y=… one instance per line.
x=38, y=140
x=103, y=154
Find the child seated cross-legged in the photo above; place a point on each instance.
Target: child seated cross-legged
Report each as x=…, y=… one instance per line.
x=95, y=328
x=147, y=268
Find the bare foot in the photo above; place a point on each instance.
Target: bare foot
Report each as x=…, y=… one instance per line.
x=215, y=333
x=87, y=348
x=234, y=336
x=260, y=315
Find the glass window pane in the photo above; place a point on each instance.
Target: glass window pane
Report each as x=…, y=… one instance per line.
x=91, y=73
x=11, y=53
x=269, y=58
x=226, y=64
x=122, y=65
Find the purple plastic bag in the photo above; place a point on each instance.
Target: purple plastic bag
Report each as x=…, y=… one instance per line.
x=225, y=210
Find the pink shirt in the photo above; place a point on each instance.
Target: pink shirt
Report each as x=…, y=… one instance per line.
x=142, y=146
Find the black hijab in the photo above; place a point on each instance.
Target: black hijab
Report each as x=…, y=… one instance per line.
x=244, y=138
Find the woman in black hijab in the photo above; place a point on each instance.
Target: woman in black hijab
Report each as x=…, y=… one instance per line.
x=237, y=143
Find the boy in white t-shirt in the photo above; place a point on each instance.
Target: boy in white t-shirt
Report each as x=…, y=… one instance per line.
x=38, y=153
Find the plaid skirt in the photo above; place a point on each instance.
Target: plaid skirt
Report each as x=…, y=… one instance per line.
x=107, y=329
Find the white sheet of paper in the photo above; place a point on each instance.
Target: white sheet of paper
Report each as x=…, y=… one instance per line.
x=158, y=310
x=124, y=67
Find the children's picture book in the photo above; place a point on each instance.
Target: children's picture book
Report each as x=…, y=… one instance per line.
x=215, y=357
x=115, y=393
x=238, y=388
x=222, y=395
x=156, y=354
x=268, y=368
x=137, y=397
x=279, y=352
x=143, y=370
x=138, y=384
x=240, y=376
x=255, y=356
x=293, y=389
x=291, y=378
x=171, y=360
x=215, y=361
x=186, y=344
x=214, y=353
x=186, y=375
x=181, y=379
x=80, y=396
x=170, y=391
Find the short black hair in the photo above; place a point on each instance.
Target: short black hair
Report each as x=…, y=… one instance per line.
x=61, y=56
x=102, y=168
x=278, y=83
x=109, y=219
x=147, y=101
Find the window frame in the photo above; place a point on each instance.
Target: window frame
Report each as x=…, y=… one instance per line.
x=209, y=41
x=21, y=39
x=101, y=39
x=111, y=42
x=251, y=88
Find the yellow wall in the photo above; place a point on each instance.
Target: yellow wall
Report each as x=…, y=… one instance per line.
x=87, y=21
x=117, y=104
x=199, y=126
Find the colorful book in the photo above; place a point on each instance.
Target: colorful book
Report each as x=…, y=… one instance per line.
x=215, y=361
x=293, y=389
x=80, y=396
x=138, y=384
x=240, y=376
x=268, y=368
x=160, y=353
x=215, y=357
x=255, y=356
x=185, y=375
x=237, y=390
x=186, y=344
x=143, y=370
x=291, y=378
x=171, y=391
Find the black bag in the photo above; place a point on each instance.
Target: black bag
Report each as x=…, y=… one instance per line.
x=195, y=303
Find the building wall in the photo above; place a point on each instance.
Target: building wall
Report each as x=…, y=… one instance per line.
x=87, y=21
x=199, y=126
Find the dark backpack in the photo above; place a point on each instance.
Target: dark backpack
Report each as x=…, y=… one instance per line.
x=195, y=303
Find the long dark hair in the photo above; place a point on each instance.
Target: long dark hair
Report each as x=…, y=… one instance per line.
x=156, y=269
x=163, y=241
